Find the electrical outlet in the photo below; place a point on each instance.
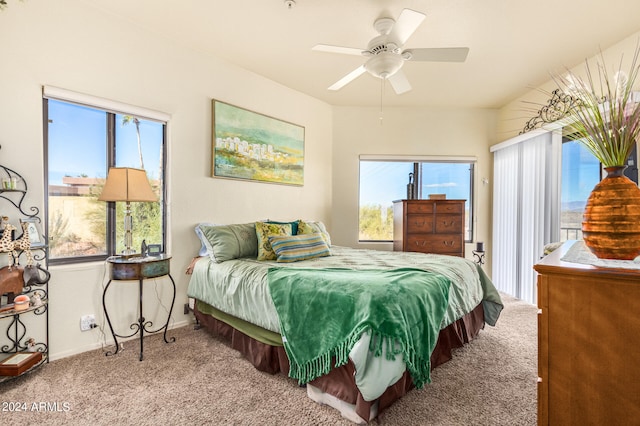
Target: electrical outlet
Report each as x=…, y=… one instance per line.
x=87, y=322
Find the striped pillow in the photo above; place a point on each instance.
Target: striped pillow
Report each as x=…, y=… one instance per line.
x=292, y=248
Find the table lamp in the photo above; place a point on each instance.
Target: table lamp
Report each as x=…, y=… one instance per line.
x=127, y=184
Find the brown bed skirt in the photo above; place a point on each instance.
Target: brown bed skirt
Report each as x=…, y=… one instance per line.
x=340, y=382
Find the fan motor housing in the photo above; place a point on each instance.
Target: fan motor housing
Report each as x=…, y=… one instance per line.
x=382, y=44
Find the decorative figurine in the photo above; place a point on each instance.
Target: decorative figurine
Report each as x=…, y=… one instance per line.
x=36, y=300
x=31, y=345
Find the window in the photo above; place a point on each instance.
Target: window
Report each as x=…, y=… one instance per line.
x=383, y=181
x=81, y=143
x=581, y=172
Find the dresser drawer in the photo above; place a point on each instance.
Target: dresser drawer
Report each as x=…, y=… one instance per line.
x=447, y=243
x=419, y=243
x=444, y=243
x=419, y=223
x=449, y=224
x=449, y=208
x=419, y=207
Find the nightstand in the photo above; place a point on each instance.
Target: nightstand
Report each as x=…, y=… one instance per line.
x=124, y=268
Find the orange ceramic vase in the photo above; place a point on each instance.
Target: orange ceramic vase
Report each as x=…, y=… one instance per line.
x=611, y=220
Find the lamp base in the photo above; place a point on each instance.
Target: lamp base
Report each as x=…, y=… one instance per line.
x=128, y=234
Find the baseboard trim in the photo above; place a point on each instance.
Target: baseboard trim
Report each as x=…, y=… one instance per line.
x=99, y=345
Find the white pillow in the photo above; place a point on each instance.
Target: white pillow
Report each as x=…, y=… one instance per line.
x=205, y=248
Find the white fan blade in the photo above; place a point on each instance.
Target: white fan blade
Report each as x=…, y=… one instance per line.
x=407, y=23
x=445, y=54
x=337, y=49
x=348, y=78
x=399, y=82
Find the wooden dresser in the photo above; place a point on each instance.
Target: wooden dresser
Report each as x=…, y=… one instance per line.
x=429, y=226
x=588, y=343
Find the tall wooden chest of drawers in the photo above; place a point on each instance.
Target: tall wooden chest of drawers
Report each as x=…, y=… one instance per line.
x=429, y=226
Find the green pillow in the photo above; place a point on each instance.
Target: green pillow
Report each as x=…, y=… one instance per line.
x=226, y=242
x=264, y=230
x=299, y=247
x=314, y=228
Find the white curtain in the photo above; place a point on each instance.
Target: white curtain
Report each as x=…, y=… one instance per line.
x=526, y=209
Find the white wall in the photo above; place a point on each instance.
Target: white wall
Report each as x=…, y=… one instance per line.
x=71, y=45
x=514, y=115
x=404, y=131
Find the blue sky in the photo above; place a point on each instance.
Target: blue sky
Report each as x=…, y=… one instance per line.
x=77, y=143
x=580, y=172
x=382, y=182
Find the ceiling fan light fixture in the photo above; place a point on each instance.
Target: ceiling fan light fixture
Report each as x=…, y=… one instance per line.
x=384, y=64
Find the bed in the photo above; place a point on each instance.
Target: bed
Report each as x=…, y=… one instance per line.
x=358, y=328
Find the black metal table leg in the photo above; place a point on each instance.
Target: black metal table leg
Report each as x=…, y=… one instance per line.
x=141, y=321
x=106, y=314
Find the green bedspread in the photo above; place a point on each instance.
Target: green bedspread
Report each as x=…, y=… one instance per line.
x=324, y=313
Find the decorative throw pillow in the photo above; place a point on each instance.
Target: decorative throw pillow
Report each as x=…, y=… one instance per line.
x=294, y=225
x=299, y=247
x=226, y=242
x=313, y=228
x=264, y=230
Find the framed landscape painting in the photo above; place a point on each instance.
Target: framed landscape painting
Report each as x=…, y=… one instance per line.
x=256, y=147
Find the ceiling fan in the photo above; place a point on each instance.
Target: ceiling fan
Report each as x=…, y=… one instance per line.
x=386, y=55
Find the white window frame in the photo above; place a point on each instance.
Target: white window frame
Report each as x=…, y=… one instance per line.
x=115, y=107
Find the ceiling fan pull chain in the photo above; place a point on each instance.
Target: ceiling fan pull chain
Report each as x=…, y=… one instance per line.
x=381, y=97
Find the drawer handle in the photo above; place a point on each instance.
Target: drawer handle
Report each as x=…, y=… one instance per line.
x=424, y=243
x=448, y=224
x=419, y=223
x=448, y=243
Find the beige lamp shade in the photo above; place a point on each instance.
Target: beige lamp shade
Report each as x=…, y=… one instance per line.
x=127, y=184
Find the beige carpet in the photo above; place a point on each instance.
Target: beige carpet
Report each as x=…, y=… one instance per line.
x=199, y=380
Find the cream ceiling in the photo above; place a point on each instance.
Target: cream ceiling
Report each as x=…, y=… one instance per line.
x=514, y=44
